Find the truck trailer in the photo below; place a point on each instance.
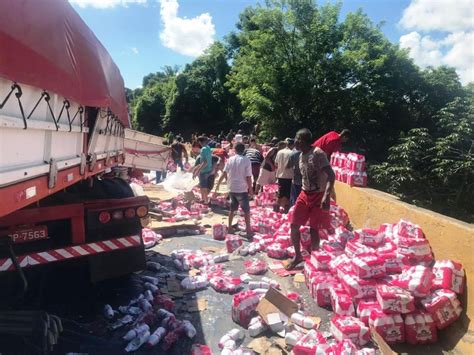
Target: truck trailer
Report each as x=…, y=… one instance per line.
x=64, y=124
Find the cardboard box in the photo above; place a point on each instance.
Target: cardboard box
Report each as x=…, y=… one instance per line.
x=275, y=309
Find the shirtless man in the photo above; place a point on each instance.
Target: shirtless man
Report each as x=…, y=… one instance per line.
x=314, y=199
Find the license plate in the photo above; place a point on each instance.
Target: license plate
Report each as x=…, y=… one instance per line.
x=30, y=234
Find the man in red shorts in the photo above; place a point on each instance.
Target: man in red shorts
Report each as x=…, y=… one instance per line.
x=314, y=199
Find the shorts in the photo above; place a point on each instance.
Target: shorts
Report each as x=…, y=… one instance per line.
x=204, y=180
x=308, y=207
x=239, y=199
x=266, y=177
x=284, y=188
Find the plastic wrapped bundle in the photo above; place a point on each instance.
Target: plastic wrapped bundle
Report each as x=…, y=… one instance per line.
x=420, y=328
x=370, y=237
x=355, y=248
x=276, y=251
x=416, y=279
x=225, y=284
x=232, y=242
x=393, y=299
x=390, y=326
x=393, y=262
x=219, y=231
x=320, y=260
x=444, y=307
x=358, y=288
x=364, y=308
x=356, y=178
x=448, y=275
x=333, y=247
x=416, y=249
x=343, y=235
x=255, y=267
x=341, y=302
x=310, y=344
x=320, y=288
x=406, y=229
x=367, y=267
x=343, y=327
x=243, y=306
x=355, y=162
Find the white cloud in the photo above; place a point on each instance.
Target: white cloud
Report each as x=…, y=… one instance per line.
x=443, y=15
x=134, y=50
x=105, y=4
x=185, y=36
x=454, y=21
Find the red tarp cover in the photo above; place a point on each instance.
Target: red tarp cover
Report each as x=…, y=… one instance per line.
x=44, y=43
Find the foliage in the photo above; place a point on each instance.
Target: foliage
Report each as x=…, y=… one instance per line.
x=435, y=169
x=200, y=101
x=291, y=64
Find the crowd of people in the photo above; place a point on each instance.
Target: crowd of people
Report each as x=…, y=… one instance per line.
x=300, y=166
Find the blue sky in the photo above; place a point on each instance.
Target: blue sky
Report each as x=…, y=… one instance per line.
x=142, y=36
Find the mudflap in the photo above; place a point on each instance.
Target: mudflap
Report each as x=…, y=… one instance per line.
x=117, y=263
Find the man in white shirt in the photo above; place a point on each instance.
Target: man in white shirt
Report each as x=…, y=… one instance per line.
x=238, y=171
x=284, y=175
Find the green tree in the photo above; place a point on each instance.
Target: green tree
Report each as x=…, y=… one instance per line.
x=200, y=101
x=435, y=169
x=296, y=64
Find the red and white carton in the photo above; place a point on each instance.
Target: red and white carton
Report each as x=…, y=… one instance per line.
x=219, y=231
x=255, y=267
x=393, y=299
x=243, y=306
x=343, y=235
x=226, y=284
x=333, y=247
x=344, y=269
x=393, y=263
x=416, y=279
x=358, y=288
x=355, y=248
x=368, y=267
x=320, y=260
x=389, y=326
x=364, y=308
x=387, y=247
x=311, y=343
x=406, y=229
x=444, y=307
x=356, y=178
x=417, y=249
x=320, y=289
x=276, y=251
x=337, y=261
x=420, y=328
x=370, y=237
x=355, y=162
x=344, y=327
x=448, y=275
x=232, y=242
x=283, y=239
x=345, y=347
x=341, y=302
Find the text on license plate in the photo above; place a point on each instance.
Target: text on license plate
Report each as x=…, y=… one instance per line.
x=30, y=234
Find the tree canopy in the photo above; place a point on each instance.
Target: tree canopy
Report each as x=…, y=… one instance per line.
x=291, y=64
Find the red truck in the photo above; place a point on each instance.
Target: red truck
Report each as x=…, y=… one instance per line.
x=63, y=125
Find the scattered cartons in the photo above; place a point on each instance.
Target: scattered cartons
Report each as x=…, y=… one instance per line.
x=276, y=309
